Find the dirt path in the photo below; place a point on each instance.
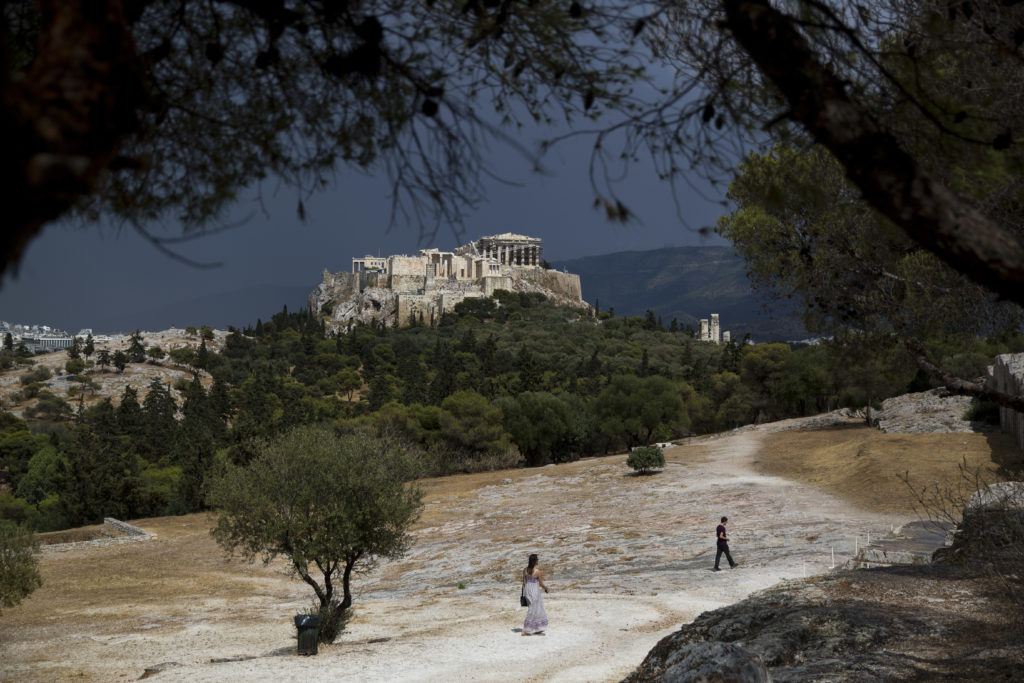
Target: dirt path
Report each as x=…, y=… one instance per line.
x=628, y=560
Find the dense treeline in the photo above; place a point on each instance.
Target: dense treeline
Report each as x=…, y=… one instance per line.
x=500, y=382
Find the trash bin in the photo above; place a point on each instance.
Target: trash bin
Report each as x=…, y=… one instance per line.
x=308, y=625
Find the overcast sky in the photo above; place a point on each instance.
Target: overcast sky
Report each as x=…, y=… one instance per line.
x=70, y=276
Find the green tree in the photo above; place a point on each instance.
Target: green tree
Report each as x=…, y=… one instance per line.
x=130, y=419
x=191, y=331
x=805, y=232
x=348, y=382
x=43, y=477
x=206, y=332
x=89, y=347
x=120, y=360
x=330, y=505
x=631, y=408
x=202, y=355
x=159, y=423
x=136, y=349
x=19, y=568
x=200, y=432
x=471, y=425
x=155, y=353
x=529, y=370
x=383, y=389
x=8, y=343
x=103, y=358
x=761, y=367
x=183, y=355
x=17, y=447
x=538, y=423
x=75, y=350
x=101, y=478
x=74, y=366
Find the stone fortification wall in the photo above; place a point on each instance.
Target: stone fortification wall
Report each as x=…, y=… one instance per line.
x=494, y=282
x=416, y=307
x=407, y=265
x=447, y=300
x=373, y=280
x=1007, y=376
x=407, y=282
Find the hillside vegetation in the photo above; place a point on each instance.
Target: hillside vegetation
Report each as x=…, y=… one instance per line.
x=513, y=380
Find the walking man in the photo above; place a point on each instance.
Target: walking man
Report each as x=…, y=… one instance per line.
x=723, y=545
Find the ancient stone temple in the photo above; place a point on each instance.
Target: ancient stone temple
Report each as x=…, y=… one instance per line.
x=508, y=249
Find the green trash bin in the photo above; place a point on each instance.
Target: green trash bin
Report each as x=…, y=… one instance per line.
x=308, y=625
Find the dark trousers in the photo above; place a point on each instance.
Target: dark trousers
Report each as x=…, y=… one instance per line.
x=718, y=556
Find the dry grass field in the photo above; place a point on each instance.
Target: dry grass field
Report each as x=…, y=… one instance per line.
x=868, y=467
x=627, y=559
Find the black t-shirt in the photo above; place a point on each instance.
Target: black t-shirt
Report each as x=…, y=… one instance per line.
x=719, y=532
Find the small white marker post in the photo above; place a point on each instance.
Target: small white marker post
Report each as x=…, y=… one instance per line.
x=833, y=558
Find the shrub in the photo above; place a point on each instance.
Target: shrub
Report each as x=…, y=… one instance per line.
x=40, y=374
x=333, y=620
x=984, y=412
x=645, y=459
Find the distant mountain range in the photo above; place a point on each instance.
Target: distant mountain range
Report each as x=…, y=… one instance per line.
x=685, y=283
x=238, y=307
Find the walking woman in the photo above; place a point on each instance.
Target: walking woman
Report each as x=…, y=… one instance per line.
x=533, y=582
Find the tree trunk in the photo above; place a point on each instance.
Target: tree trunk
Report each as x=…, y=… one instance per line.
x=346, y=575
x=889, y=178
x=63, y=120
x=960, y=386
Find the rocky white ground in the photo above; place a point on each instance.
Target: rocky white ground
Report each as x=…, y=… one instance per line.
x=628, y=560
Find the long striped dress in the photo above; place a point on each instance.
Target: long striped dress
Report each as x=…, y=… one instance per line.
x=536, y=617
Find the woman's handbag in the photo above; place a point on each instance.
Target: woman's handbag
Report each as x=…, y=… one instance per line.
x=523, y=602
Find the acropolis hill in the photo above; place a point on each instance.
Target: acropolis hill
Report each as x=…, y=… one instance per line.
x=403, y=289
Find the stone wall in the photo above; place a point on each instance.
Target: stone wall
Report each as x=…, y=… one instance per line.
x=565, y=286
x=407, y=265
x=1007, y=376
x=118, y=534
x=495, y=282
x=413, y=307
x=408, y=283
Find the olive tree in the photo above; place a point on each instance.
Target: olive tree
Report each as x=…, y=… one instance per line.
x=330, y=505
